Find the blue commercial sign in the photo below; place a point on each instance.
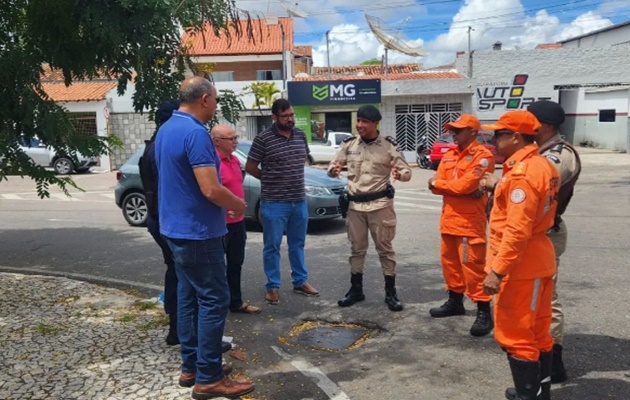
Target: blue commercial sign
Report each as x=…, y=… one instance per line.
x=320, y=93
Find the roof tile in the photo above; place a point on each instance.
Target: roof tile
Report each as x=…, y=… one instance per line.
x=78, y=91
x=376, y=69
x=267, y=39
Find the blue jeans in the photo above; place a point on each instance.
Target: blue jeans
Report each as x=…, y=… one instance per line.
x=202, y=305
x=292, y=218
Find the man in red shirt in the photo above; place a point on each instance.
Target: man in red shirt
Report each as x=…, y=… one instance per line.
x=225, y=141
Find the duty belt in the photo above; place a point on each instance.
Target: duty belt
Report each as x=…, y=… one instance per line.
x=364, y=198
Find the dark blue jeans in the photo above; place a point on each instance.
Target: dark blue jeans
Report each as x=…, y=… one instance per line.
x=234, y=244
x=170, y=277
x=203, y=298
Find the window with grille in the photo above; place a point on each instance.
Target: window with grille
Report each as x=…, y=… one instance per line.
x=223, y=76
x=413, y=121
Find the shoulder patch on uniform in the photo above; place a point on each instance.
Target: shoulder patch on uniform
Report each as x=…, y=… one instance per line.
x=553, y=158
x=520, y=169
x=557, y=148
x=391, y=140
x=349, y=139
x=484, y=162
x=517, y=196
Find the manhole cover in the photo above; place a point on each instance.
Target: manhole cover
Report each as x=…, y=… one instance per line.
x=328, y=336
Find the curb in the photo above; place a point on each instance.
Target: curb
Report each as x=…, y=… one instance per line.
x=144, y=288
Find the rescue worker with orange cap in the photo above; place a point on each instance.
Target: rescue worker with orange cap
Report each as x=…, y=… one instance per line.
x=463, y=223
x=567, y=161
x=521, y=260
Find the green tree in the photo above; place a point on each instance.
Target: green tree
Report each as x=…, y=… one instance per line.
x=128, y=40
x=372, y=61
x=264, y=93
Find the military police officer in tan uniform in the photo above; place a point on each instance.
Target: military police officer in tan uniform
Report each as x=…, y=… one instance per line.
x=373, y=161
x=566, y=159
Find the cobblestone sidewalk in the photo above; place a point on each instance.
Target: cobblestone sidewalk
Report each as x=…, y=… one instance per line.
x=65, y=339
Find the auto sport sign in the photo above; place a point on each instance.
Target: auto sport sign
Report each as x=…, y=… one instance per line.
x=363, y=91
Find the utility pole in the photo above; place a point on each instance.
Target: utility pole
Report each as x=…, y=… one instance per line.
x=386, y=64
x=328, y=52
x=469, y=54
x=284, y=59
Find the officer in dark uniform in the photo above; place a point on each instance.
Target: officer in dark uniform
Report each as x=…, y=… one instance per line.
x=373, y=160
x=149, y=177
x=567, y=161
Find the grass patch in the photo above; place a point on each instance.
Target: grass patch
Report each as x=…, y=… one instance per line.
x=46, y=329
x=145, y=305
x=155, y=323
x=128, y=318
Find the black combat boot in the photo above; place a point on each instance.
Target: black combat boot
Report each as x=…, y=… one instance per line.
x=453, y=306
x=558, y=373
x=483, y=323
x=526, y=376
x=545, y=380
x=390, y=294
x=355, y=293
x=171, y=338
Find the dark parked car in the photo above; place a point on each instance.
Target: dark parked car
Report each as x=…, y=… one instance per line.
x=322, y=191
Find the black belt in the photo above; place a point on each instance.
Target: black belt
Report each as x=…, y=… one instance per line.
x=364, y=198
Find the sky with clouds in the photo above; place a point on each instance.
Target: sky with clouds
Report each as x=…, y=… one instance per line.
x=440, y=27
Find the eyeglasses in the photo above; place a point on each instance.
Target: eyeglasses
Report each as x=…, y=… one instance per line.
x=455, y=131
x=286, y=116
x=502, y=132
x=232, y=138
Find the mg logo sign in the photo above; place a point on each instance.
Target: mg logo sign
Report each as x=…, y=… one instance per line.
x=339, y=92
x=342, y=90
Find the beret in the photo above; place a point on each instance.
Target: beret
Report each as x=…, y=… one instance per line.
x=548, y=112
x=369, y=112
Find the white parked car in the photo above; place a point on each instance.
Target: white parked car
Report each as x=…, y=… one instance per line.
x=324, y=152
x=45, y=156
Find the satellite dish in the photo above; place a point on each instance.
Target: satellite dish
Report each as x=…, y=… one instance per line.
x=293, y=10
x=391, y=38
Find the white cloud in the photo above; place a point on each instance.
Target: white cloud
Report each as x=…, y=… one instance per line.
x=583, y=24
x=492, y=21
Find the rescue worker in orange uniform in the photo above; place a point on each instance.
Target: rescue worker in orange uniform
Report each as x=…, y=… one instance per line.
x=463, y=223
x=521, y=260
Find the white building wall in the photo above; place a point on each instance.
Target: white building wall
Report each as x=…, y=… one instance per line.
x=614, y=37
x=495, y=72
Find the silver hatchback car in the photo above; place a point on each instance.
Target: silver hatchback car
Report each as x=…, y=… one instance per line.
x=322, y=191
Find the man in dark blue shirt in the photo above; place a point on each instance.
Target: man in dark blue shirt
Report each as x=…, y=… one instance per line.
x=192, y=208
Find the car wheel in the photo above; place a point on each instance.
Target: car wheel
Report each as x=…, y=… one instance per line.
x=134, y=208
x=434, y=165
x=63, y=166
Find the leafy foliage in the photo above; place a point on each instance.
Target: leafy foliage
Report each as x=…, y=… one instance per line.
x=135, y=41
x=264, y=93
x=372, y=61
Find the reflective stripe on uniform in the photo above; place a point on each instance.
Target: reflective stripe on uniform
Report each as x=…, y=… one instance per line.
x=535, y=294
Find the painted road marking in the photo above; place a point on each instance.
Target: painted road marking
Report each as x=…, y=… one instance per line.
x=307, y=369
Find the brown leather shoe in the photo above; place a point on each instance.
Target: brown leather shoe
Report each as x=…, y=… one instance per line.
x=273, y=296
x=187, y=379
x=226, y=387
x=306, y=289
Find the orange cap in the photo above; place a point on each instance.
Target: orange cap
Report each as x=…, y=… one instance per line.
x=517, y=121
x=464, y=121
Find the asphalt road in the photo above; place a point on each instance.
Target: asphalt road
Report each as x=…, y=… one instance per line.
x=408, y=355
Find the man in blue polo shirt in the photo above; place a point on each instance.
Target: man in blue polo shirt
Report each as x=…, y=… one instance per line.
x=192, y=205
x=281, y=152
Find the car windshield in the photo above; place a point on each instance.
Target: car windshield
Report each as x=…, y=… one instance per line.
x=136, y=156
